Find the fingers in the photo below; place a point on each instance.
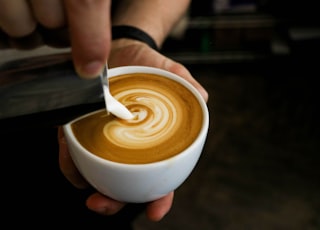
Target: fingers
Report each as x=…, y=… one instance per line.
x=98, y=203
x=49, y=13
x=16, y=18
x=89, y=24
x=180, y=70
x=103, y=205
x=132, y=52
x=29, y=24
x=156, y=210
x=66, y=164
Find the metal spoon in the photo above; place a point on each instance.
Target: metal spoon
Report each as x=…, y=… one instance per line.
x=112, y=105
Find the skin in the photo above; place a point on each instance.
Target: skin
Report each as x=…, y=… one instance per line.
x=88, y=24
x=84, y=25
x=127, y=52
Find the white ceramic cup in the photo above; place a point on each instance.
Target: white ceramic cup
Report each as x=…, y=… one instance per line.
x=139, y=183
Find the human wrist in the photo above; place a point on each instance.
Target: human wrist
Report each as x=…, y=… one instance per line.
x=133, y=33
x=126, y=51
x=125, y=42
x=155, y=17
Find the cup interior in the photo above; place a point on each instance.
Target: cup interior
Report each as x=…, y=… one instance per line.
x=113, y=72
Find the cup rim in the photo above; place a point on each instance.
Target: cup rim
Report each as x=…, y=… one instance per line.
x=113, y=72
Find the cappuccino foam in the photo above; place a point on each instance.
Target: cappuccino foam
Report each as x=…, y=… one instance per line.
x=167, y=119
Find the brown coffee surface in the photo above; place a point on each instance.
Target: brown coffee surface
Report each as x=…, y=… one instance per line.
x=168, y=118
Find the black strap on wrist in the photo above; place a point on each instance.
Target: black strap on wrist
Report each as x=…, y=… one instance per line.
x=133, y=33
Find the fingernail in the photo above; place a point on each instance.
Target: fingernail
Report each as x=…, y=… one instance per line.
x=91, y=69
x=105, y=211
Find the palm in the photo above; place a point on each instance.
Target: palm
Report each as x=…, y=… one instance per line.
x=141, y=54
x=135, y=54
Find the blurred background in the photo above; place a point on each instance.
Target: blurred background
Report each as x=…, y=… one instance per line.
x=220, y=31
x=259, y=62
x=259, y=169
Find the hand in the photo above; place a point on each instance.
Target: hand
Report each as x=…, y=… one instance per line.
x=87, y=23
x=132, y=52
x=97, y=202
x=126, y=52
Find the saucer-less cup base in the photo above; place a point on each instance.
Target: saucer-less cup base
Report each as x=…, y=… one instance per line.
x=138, y=183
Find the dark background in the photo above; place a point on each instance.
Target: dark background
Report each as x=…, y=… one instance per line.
x=259, y=169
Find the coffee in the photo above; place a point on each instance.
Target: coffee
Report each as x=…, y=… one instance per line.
x=168, y=118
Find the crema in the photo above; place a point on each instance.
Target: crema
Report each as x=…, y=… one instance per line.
x=167, y=119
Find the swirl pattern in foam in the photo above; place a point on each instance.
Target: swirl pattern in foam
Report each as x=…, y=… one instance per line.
x=155, y=120
x=167, y=119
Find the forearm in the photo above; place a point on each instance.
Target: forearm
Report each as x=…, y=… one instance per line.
x=155, y=17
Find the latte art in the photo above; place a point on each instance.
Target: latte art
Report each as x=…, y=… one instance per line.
x=167, y=119
x=155, y=120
